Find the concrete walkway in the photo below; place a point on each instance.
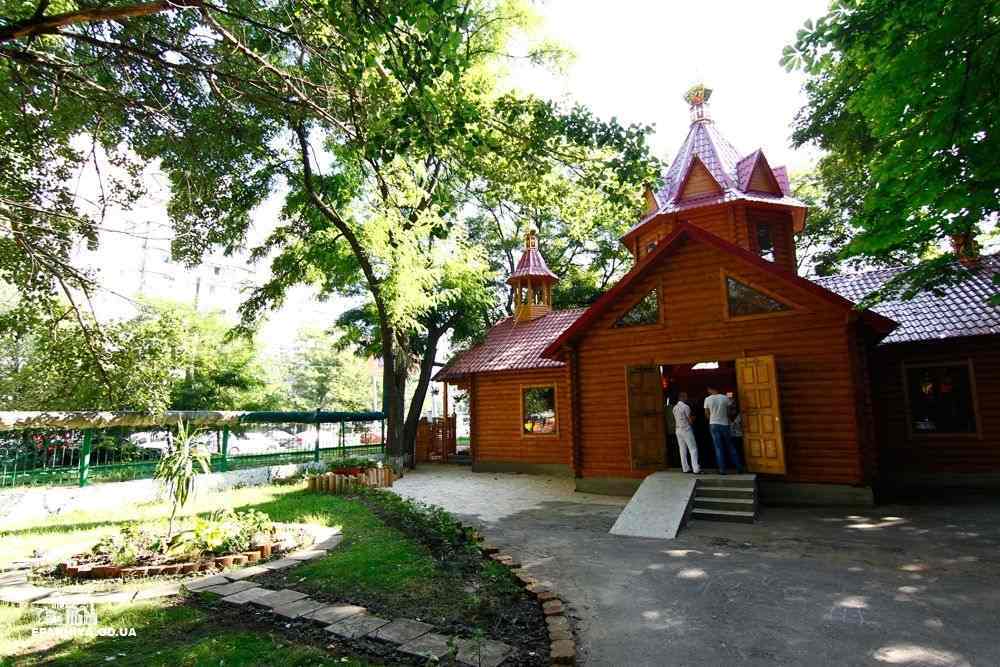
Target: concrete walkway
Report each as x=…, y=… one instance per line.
x=901, y=585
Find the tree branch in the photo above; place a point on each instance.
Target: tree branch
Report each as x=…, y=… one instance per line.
x=39, y=25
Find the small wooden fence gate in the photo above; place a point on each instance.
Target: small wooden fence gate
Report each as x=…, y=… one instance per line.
x=435, y=439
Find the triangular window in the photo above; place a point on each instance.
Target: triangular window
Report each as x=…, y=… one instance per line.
x=744, y=300
x=647, y=311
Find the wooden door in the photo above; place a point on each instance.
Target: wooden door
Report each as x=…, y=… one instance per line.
x=645, y=417
x=757, y=385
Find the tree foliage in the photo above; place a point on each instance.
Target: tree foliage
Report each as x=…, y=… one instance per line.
x=321, y=375
x=378, y=122
x=903, y=96
x=52, y=367
x=216, y=371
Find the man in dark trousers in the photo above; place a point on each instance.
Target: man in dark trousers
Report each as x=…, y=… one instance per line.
x=717, y=410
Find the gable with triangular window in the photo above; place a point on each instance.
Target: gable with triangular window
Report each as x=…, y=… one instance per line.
x=646, y=311
x=742, y=300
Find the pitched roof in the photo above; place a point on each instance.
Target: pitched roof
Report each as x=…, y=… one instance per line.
x=512, y=345
x=723, y=161
x=962, y=310
x=686, y=230
x=532, y=265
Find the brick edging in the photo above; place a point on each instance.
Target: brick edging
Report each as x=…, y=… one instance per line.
x=562, y=644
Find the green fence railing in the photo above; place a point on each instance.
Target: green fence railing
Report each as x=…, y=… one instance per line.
x=84, y=448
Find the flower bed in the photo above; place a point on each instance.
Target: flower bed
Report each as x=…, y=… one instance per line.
x=225, y=539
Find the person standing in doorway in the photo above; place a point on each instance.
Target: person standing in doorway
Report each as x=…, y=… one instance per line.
x=717, y=410
x=683, y=419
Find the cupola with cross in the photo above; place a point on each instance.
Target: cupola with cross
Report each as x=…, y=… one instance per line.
x=532, y=282
x=740, y=198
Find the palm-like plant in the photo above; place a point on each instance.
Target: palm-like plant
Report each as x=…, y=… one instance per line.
x=177, y=469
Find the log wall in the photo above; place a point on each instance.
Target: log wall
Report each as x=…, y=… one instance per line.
x=905, y=453
x=498, y=437
x=735, y=223
x=811, y=345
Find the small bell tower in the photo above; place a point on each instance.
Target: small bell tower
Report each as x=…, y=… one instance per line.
x=532, y=282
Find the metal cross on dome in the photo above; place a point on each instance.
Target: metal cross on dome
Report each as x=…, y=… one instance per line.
x=697, y=97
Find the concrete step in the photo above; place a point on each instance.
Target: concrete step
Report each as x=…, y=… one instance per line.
x=726, y=492
x=729, y=481
x=734, y=516
x=735, y=504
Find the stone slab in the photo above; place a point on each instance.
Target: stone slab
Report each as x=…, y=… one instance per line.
x=322, y=534
x=23, y=593
x=206, y=582
x=311, y=554
x=82, y=598
x=248, y=595
x=402, y=630
x=329, y=543
x=280, y=598
x=431, y=646
x=281, y=564
x=228, y=589
x=482, y=653
x=298, y=608
x=244, y=572
x=658, y=508
x=356, y=626
x=335, y=613
x=164, y=591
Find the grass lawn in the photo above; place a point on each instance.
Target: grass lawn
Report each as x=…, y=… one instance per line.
x=165, y=634
x=378, y=565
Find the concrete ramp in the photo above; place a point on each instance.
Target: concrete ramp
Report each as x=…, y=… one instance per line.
x=658, y=508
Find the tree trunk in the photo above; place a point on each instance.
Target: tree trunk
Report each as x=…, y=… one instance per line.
x=417, y=401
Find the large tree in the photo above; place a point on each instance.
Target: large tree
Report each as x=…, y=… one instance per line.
x=904, y=97
x=239, y=100
x=370, y=118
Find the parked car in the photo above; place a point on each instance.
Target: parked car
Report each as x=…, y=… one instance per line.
x=254, y=442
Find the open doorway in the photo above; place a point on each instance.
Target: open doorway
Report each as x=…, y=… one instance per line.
x=695, y=379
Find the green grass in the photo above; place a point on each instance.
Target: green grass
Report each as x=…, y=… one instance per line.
x=164, y=635
x=376, y=565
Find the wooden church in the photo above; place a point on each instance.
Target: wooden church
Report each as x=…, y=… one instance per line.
x=833, y=399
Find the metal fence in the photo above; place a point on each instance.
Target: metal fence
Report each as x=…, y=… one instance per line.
x=38, y=451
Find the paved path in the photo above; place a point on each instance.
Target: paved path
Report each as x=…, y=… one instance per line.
x=901, y=585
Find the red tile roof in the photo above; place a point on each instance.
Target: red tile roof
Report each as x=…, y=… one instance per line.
x=706, y=143
x=532, y=265
x=512, y=345
x=962, y=310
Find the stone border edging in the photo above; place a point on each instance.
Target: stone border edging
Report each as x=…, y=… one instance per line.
x=562, y=645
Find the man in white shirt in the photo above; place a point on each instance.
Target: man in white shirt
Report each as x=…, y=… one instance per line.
x=685, y=434
x=717, y=410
